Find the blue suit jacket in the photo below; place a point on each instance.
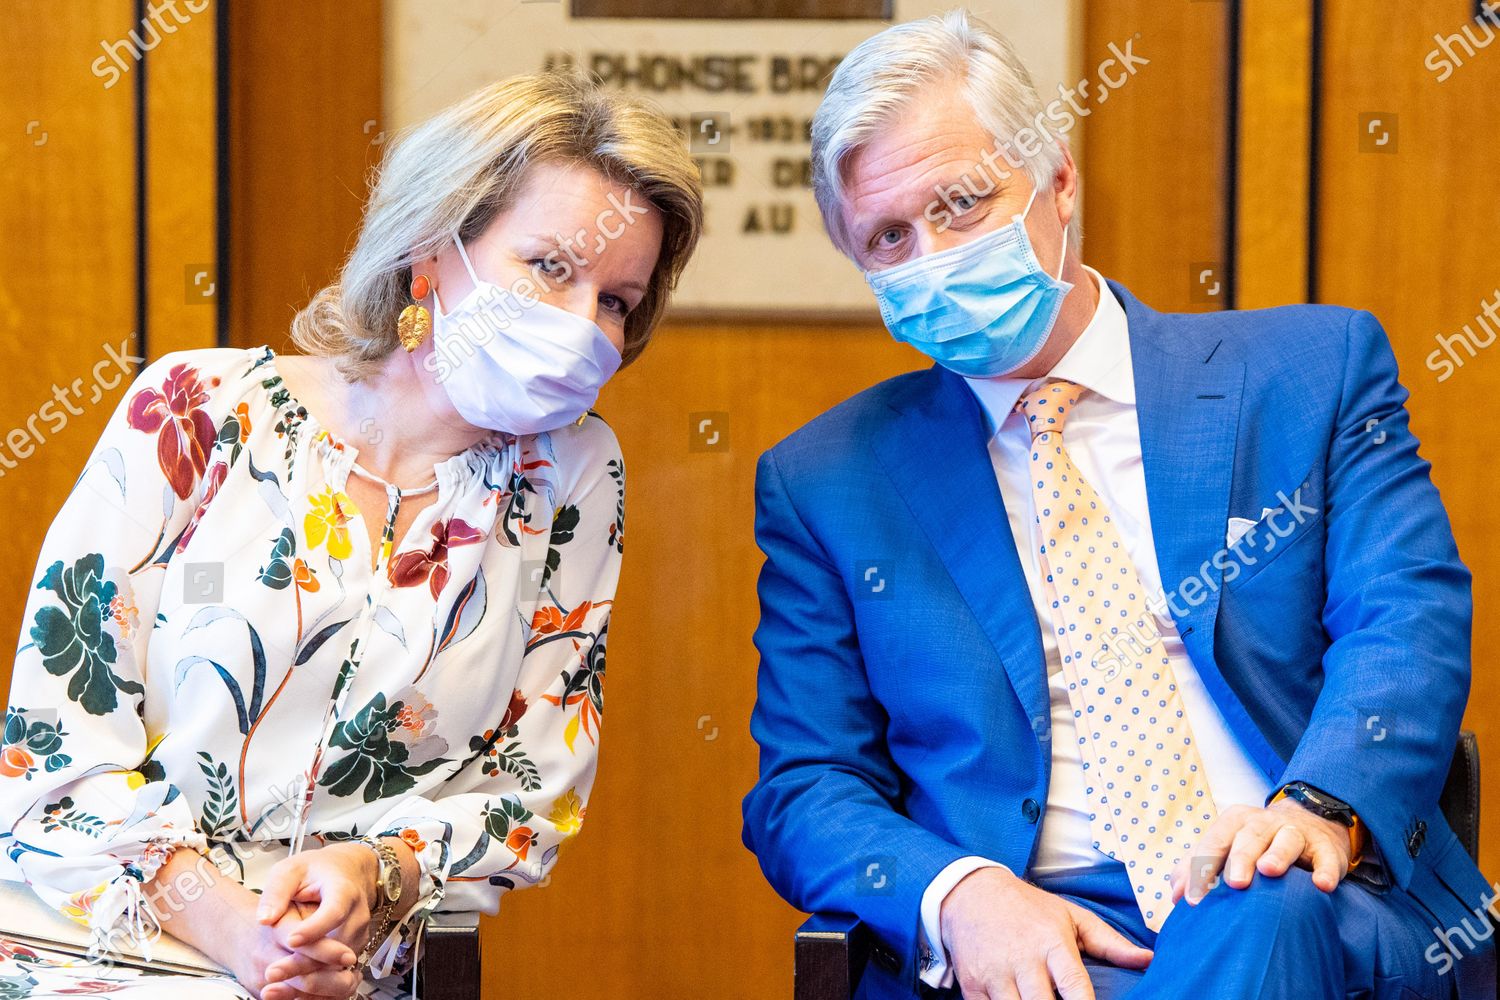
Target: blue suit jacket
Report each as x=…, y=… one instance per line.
x=903, y=712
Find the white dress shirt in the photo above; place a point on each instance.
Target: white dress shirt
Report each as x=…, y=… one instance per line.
x=1104, y=439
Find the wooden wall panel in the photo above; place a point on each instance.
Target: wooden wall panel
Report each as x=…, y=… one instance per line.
x=305, y=128
x=181, y=187
x=1273, y=166
x=670, y=903
x=67, y=284
x=1408, y=230
x=1155, y=185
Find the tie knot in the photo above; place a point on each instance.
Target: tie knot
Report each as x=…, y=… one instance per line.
x=1046, y=408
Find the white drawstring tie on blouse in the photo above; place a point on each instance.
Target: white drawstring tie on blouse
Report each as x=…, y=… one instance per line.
x=122, y=911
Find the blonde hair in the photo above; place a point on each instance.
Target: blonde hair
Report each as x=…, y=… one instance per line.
x=458, y=170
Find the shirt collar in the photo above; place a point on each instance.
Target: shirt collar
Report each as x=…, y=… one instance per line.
x=1099, y=360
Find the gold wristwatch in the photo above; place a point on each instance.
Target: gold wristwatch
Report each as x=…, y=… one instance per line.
x=387, y=894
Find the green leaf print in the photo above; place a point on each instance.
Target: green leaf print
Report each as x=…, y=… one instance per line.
x=223, y=800
x=278, y=574
x=389, y=748
x=498, y=822
x=28, y=740
x=72, y=639
x=62, y=815
x=16, y=987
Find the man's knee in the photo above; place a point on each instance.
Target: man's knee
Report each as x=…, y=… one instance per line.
x=1290, y=898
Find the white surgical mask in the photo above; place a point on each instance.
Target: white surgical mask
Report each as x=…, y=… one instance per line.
x=519, y=365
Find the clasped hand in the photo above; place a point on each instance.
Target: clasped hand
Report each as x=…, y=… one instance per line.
x=315, y=913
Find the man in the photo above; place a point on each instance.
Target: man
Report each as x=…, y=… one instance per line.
x=1118, y=652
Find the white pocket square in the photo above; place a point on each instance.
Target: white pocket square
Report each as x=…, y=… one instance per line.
x=1239, y=525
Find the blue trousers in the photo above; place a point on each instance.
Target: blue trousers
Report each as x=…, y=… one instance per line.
x=1277, y=939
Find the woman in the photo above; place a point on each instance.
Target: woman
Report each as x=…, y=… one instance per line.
x=330, y=628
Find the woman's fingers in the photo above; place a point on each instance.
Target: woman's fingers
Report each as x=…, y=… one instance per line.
x=325, y=950
x=285, y=991
x=300, y=964
x=282, y=885
x=337, y=905
x=326, y=983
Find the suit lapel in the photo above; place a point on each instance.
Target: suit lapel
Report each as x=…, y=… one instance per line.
x=1188, y=407
x=938, y=458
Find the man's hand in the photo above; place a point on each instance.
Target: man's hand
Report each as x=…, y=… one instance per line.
x=1270, y=840
x=1006, y=938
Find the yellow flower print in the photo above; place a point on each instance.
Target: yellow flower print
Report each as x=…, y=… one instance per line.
x=328, y=517
x=80, y=905
x=567, y=813
x=135, y=779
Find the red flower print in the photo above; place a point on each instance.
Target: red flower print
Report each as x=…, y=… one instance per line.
x=513, y=711
x=184, y=432
x=211, y=485
x=91, y=987
x=414, y=567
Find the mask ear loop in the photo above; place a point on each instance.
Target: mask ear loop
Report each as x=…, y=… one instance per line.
x=467, y=266
x=465, y=255
x=1020, y=220
x=1062, y=258
x=1020, y=217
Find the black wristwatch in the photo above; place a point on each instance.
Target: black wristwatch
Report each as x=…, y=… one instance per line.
x=1319, y=802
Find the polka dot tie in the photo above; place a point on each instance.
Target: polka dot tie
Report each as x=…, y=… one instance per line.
x=1148, y=793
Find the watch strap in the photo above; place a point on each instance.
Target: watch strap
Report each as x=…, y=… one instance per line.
x=1356, y=826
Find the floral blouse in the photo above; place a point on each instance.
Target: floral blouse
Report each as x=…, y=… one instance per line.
x=209, y=661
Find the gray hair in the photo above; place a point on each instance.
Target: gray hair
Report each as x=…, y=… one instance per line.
x=881, y=77
x=456, y=171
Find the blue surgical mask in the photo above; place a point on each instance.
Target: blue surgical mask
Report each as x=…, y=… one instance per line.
x=980, y=309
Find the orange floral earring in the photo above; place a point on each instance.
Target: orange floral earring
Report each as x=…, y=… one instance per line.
x=415, y=321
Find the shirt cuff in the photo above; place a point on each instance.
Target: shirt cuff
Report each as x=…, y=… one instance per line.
x=935, y=969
